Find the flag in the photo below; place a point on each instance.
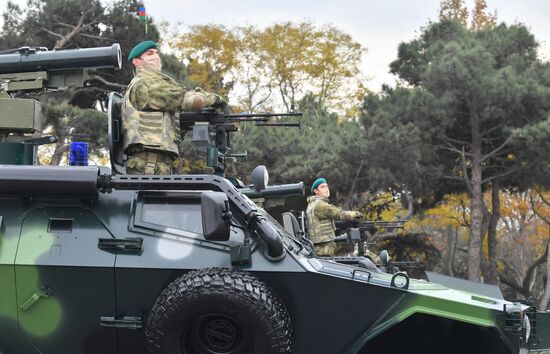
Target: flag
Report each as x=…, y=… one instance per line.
x=143, y=16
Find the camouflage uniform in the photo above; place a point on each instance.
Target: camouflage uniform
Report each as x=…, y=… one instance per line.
x=320, y=220
x=321, y=230
x=150, y=126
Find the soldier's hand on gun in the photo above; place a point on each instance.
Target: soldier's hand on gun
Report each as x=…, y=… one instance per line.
x=351, y=215
x=197, y=99
x=219, y=102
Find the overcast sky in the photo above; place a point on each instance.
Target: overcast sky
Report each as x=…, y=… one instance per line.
x=378, y=25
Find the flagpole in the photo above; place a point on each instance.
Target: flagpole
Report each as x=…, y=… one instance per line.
x=143, y=16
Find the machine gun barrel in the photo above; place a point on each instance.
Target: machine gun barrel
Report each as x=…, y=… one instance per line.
x=251, y=115
x=189, y=118
x=282, y=190
x=29, y=60
x=360, y=224
x=279, y=124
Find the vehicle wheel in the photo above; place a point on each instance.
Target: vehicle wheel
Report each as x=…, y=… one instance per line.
x=218, y=311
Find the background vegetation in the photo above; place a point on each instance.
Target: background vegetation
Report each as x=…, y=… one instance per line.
x=465, y=133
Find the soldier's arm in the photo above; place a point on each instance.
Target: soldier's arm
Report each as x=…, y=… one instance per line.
x=153, y=95
x=327, y=211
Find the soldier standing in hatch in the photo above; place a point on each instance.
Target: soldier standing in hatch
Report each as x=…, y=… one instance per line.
x=321, y=216
x=150, y=123
x=320, y=220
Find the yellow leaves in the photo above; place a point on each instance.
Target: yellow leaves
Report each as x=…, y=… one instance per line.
x=211, y=52
x=214, y=44
x=458, y=11
x=384, y=206
x=454, y=10
x=452, y=211
x=277, y=65
x=524, y=220
x=481, y=18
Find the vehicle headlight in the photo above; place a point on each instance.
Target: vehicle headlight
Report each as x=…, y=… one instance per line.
x=526, y=327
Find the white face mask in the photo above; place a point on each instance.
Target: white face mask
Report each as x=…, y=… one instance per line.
x=153, y=63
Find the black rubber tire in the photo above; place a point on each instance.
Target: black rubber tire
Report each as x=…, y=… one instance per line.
x=218, y=311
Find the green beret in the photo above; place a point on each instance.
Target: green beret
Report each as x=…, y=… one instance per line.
x=317, y=183
x=141, y=48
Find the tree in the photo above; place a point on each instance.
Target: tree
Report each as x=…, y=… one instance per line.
x=53, y=24
x=65, y=119
x=456, y=10
x=81, y=24
x=481, y=18
x=447, y=224
x=323, y=146
x=544, y=215
x=288, y=58
x=467, y=92
x=524, y=248
x=212, y=54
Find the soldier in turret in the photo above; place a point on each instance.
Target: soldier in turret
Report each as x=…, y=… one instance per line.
x=321, y=216
x=150, y=125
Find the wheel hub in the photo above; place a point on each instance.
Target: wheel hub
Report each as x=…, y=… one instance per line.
x=216, y=333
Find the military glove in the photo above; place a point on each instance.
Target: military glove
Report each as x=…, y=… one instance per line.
x=215, y=101
x=212, y=99
x=194, y=101
x=350, y=215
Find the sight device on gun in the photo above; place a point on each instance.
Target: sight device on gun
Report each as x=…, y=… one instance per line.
x=32, y=71
x=211, y=132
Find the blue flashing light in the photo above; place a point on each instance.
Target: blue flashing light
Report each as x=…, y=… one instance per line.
x=78, y=154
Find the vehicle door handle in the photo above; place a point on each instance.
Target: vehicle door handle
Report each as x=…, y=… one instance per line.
x=42, y=292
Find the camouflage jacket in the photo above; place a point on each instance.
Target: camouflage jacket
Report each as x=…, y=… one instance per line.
x=320, y=218
x=155, y=91
x=149, y=122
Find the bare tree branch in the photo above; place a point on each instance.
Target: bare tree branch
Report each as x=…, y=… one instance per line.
x=535, y=209
x=91, y=36
x=544, y=200
x=531, y=270
x=456, y=141
x=75, y=30
x=503, y=174
x=52, y=33
x=492, y=129
x=525, y=287
x=451, y=148
x=511, y=283
x=495, y=151
x=410, y=210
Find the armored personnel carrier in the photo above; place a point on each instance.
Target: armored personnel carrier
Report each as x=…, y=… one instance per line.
x=96, y=261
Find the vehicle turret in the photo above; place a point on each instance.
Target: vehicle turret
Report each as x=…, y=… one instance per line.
x=28, y=72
